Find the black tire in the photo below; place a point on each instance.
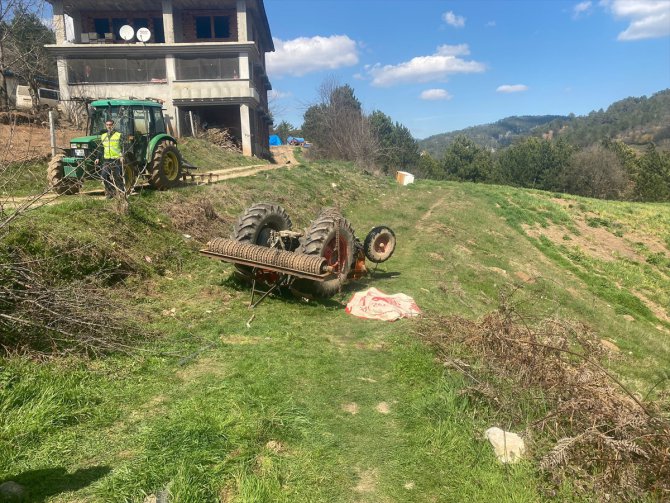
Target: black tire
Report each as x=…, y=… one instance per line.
x=320, y=240
x=166, y=165
x=57, y=180
x=379, y=244
x=254, y=227
x=129, y=171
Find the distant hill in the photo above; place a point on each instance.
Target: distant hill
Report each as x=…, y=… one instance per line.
x=493, y=136
x=636, y=121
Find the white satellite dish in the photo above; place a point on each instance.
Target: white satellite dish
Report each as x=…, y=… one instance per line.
x=143, y=34
x=126, y=32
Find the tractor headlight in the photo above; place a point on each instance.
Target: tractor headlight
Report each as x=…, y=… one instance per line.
x=73, y=145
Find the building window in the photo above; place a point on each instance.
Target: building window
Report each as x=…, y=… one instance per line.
x=140, y=22
x=117, y=23
x=212, y=27
x=101, y=27
x=116, y=70
x=221, y=26
x=159, y=33
x=203, y=27
x=210, y=68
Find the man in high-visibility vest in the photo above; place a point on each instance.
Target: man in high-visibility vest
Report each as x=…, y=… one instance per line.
x=112, y=159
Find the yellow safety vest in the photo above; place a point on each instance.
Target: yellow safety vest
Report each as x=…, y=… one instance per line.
x=111, y=145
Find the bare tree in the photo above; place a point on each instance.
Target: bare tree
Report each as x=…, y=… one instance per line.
x=338, y=126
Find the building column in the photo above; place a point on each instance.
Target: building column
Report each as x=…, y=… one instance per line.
x=244, y=66
x=168, y=21
x=77, y=27
x=171, y=76
x=59, y=21
x=61, y=67
x=245, y=129
x=242, y=32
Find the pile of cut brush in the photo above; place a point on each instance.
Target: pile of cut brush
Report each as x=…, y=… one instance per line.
x=586, y=427
x=222, y=138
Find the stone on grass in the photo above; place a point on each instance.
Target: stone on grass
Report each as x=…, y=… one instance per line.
x=509, y=447
x=11, y=491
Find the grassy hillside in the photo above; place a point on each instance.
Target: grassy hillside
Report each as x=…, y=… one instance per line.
x=302, y=402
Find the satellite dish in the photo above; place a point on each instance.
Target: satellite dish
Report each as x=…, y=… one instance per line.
x=143, y=34
x=126, y=32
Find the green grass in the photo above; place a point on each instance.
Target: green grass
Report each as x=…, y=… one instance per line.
x=210, y=409
x=23, y=178
x=204, y=155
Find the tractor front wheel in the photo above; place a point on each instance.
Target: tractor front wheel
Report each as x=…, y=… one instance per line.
x=57, y=180
x=165, y=168
x=330, y=236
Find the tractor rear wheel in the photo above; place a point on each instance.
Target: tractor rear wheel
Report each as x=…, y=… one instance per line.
x=330, y=236
x=255, y=227
x=165, y=168
x=57, y=180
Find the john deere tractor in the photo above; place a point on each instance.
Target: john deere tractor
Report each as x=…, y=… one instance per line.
x=149, y=151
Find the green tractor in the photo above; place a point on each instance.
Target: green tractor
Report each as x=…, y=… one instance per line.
x=150, y=151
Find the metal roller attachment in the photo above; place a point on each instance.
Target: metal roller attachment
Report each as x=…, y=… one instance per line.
x=230, y=250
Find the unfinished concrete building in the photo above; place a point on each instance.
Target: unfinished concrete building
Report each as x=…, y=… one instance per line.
x=204, y=58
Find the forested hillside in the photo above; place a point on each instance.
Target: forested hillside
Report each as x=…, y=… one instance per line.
x=636, y=121
x=492, y=136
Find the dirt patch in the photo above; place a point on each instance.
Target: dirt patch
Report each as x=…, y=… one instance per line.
x=351, y=408
x=201, y=368
x=594, y=241
x=524, y=277
x=436, y=256
x=25, y=142
x=659, y=311
x=284, y=154
x=383, y=408
x=367, y=481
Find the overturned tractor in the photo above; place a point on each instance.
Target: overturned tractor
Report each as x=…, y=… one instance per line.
x=314, y=263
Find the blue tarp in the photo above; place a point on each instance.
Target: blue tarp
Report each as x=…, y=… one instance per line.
x=275, y=140
x=292, y=140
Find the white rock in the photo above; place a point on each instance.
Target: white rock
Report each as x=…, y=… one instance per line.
x=509, y=447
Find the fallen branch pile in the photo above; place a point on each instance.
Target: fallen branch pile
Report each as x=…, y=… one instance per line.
x=587, y=427
x=222, y=138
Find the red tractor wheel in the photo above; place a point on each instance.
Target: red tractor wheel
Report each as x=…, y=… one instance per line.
x=330, y=236
x=379, y=244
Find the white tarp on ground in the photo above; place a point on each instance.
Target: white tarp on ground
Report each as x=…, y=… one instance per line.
x=376, y=305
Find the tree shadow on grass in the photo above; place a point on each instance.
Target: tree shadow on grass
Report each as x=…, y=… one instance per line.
x=45, y=483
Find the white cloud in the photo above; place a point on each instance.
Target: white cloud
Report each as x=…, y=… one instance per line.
x=453, y=50
x=648, y=18
x=512, y=88
x=303, y=55
x=426, y=68
x=581, y=8
x=490, y=24
x=435, y=95
x=453, y=20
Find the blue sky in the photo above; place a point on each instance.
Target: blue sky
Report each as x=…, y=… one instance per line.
x=439, y=66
